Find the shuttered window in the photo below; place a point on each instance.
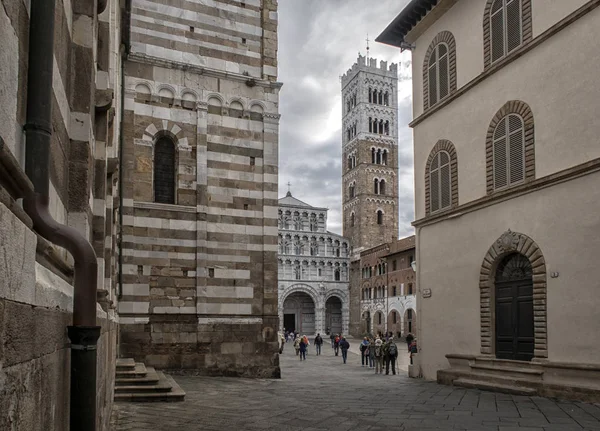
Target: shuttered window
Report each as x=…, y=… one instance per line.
x=164, y=171
x=509, y=151
x=506, y=27
x=438, y=74
x=440, y=181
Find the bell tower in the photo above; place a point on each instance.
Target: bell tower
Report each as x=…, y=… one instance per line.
x=370, y=153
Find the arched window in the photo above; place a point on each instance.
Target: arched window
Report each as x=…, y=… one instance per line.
x=380, y=97
x=352, y=219
x=373, y=155
x=382, y=187
x=370, y=97
x=337, y=275
x=386, y=128
x=386, y=99
x=379, y=217
x=439, y=69
x=376, y=186
x=510, y=146
x=506, y=26
x=352, y=191
x=378, y=158
x=440, y=180
x=509, y=151
x=370, y=124
x=380, y=127
x=164, y=171
x=384, y=159
x=379, y=318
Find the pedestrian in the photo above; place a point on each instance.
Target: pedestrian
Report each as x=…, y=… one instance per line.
x=364, y=352
x=303, y=348
x=305, y=339
x=297, y=345
x=318, y=343
x=390, y=351
x=378, y=354
x=371, y=353
x=409, y=339
x=336, y=345
x=281, y=342
x=332, y=338
x=344, y=345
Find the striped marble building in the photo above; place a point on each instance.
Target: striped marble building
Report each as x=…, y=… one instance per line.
x=200, y=162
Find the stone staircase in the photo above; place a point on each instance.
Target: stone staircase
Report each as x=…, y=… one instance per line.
x=137, y=383
x=572, y=381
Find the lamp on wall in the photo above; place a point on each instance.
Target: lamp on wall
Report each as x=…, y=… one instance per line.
x=413, y=265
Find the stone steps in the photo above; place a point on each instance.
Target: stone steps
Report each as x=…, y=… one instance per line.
x=486, y=385
x=137, y=383
x=530, y=374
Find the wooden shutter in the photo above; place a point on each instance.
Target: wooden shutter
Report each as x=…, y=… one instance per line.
x=516, y=148
x=513, y=25
x=443, y=72
x=434, y=182
x=445, y=181
x=500, y=160
x=164, y=171
x=433, y=78
x=497, y=29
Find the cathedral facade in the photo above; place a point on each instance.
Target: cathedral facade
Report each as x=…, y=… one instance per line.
x=313, y=268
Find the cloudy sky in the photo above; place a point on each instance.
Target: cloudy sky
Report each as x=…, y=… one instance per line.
x=319, y=40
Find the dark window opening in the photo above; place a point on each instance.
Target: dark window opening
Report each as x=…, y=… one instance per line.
x=191, y=29
x=164, y=171
x=410, y=289
x=243, y=40
x=379, y=217
x=252, y=161
x=211, y=272
x=245, y=206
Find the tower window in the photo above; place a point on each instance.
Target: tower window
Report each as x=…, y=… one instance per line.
x=164, y=171
x=379, y=217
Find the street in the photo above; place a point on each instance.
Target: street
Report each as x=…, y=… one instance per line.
x=321, y=393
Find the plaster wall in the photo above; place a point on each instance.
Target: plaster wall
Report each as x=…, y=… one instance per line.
x=465, y=21
x=563, y=221
x=562, y=92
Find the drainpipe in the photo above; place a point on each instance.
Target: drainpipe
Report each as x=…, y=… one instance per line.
x=38, y=129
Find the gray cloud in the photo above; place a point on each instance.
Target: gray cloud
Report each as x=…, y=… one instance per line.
x=318, y=42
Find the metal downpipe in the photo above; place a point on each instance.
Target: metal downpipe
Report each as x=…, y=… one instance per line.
x=38, y=129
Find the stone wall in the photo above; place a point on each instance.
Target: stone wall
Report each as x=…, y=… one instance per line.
x=200, y=275
x=36, y=293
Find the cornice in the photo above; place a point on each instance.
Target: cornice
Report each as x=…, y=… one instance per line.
x=137, y=57
x=516, y=191
x=518, y=53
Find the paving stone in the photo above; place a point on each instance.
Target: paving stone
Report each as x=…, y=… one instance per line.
x=323, y=394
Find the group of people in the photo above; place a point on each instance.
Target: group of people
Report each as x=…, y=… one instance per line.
x=374, y=352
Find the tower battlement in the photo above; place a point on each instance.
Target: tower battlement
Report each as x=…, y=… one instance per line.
x=370, y=65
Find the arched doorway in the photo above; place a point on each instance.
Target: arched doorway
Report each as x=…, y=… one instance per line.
x=394, y=324
x=366, y=322
x=333, y=315
x=410, y=321
x=299, y=313
x=515, y=336
x=378, y=323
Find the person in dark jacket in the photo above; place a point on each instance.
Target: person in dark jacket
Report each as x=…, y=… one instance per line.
x=344, y=345
x=364, y=352
x=409, y=339
x=318, y=343
x=332, y=338
x=390, y=351
x=303, y=348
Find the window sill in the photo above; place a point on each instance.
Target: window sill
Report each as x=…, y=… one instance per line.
x=164, y=207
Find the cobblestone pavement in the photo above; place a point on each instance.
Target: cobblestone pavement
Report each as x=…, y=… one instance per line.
x=324, y=394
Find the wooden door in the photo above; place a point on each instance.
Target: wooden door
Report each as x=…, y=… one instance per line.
x=514, y=309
